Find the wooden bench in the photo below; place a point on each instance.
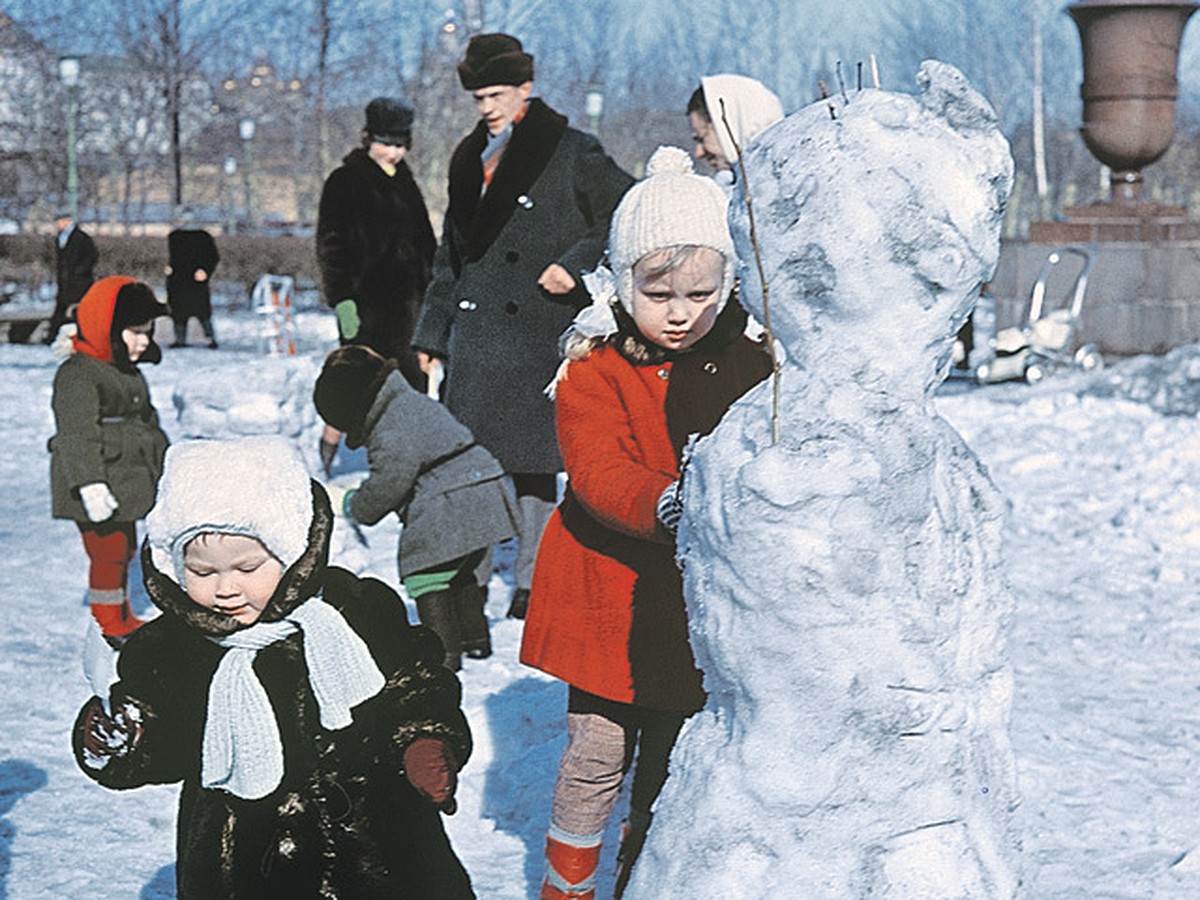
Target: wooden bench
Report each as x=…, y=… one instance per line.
x=26, y=326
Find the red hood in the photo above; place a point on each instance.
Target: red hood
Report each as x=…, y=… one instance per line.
x=94, y=317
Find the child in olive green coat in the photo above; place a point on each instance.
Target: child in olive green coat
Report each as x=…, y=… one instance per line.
x=107, y=452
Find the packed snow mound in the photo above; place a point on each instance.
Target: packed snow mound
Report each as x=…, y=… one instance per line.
x=1168, y=384
x=270, y=395
x=844, y=583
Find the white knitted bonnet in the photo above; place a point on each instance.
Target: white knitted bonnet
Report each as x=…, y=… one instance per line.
x=254, y=486
x=671, y=207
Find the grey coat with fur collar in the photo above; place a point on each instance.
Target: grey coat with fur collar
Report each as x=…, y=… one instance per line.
x=425, y=466
x=550, y=201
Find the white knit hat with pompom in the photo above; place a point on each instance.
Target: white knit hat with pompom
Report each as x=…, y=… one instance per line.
x=671, y=207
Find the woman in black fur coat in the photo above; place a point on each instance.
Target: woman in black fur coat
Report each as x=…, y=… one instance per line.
x=317, y=735
x=374, y=241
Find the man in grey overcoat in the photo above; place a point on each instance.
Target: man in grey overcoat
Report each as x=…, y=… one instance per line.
x=530, y=202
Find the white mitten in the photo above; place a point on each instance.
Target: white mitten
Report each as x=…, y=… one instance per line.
x=98, y=501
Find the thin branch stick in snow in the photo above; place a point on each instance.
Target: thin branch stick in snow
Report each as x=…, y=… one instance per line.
x=841, y=81
x=824, y=89
x=762, y=276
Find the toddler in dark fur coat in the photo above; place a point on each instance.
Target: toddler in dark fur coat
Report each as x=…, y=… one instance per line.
x=316, y=733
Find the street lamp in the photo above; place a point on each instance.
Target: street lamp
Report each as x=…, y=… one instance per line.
x=593, y=106
x=246, y=130
x=68, y=73
x=231, y=198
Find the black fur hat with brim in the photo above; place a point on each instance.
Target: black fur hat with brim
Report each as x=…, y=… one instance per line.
x=494, y=59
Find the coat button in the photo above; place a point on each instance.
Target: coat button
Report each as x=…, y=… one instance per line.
x=511, y=308
x=663, y=374
x=525, y=201
x=512, y=256
x=467, y=304
x=710, y=367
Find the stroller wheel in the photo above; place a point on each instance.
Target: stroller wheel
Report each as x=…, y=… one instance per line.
x=1034, y=373
x=1089, y=358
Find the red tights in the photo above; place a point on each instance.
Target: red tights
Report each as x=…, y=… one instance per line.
x=110, y=547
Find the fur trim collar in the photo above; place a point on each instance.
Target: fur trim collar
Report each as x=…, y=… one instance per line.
x=480, y=219
x=302, y=579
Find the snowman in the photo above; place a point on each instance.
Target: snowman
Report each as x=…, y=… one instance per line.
x=840, y=542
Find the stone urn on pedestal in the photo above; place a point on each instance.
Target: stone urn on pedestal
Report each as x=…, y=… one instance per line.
x=1142, y=293
x=1130, y=57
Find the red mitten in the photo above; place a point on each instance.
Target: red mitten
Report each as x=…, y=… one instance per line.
x=105, y=736
x=430, y=767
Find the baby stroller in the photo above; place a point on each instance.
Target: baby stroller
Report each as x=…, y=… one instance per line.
x=1046, y=343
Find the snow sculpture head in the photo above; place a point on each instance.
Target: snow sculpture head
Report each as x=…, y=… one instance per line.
x=875, y=224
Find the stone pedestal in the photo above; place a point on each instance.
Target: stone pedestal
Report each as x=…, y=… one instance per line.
x=1143, y=294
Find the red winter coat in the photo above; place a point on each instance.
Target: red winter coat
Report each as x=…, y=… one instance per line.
x=606, y=611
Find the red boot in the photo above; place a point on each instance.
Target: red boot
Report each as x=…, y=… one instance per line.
x=571, y=868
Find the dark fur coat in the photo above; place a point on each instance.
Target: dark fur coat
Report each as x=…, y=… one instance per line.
x=344, y=822
x=375, y=246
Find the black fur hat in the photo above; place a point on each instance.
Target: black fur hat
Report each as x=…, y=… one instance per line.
x=349, y=381
x=494, y=59
x=389, y=121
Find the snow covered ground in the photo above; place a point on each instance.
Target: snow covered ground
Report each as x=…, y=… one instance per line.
x=1103, y=546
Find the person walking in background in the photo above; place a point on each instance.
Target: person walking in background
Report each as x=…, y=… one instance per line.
x=192, y=258
x=107, y=451
x=722, y=103
x=317, y=736
x=75, y=255
x=375, y=246
x=449, y=493
x=529, y=204
x=657, y=359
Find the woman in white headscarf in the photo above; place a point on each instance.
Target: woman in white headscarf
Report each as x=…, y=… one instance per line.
x=724, y=104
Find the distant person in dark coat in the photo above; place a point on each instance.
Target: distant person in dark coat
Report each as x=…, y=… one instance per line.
x=76, y=255
x=192, y=258
x=374, y=241
x=530, y=201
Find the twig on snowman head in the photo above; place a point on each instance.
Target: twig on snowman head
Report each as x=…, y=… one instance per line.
x=762, y=277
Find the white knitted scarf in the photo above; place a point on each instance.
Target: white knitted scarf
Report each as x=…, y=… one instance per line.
x=242, y=752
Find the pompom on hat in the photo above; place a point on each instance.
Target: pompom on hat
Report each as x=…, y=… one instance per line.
x=671, y=207
x=493, y=59
x=256, y=486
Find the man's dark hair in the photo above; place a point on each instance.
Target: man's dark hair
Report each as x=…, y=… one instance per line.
x=696, y=104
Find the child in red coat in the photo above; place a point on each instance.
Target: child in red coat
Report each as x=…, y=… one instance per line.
x=647, y=368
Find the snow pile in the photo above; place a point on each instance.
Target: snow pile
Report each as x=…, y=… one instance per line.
x=843, y=583
x=1168, y=384
x=268, y=395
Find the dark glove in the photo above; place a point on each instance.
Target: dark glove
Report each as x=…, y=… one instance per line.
x=430, y=767
x=105, y=736
x=328, y=452
x=670, y=507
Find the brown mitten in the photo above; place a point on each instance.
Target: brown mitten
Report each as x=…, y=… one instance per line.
x=430, y=767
